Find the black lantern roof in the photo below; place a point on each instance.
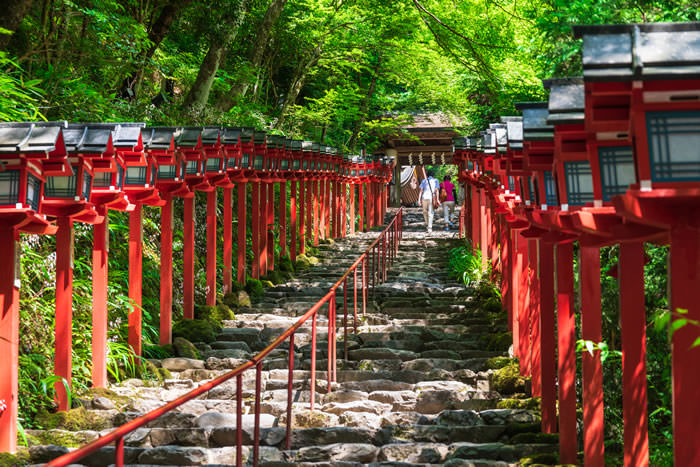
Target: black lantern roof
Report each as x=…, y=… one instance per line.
x=566, y=101
x=488, y=141
x=87, y=139
x=535, y=126
x=189, y=137
x=514, y=133
x=247, y=134
x=259, y=137
x=210, y=136
x=41, y=137
x=640, y=51
x=295, y=145
x=459, y=143
x=231, y=135
x=501, y=135
x=307, y=146
x=316, y=147
x=159, y=138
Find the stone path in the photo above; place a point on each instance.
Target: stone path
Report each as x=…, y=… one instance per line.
x=417, y=388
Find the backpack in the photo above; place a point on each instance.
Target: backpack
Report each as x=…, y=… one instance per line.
x=443, y=194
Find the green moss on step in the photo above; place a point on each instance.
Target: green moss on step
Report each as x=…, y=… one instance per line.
x=535, y=438
x=255, y=289
x=497, y=341
x=185, y=348
x=508, y=380
x=275, y=277
x=496, y=363
x=19, y=459
x=540, y=459
x=513, y=429
x=286, y=265
x=72, y=420
x=119, y=401
x=531, y=403
x=65, y=438
x=196, y=330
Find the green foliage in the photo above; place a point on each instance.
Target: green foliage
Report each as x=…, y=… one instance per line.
x=465, y=264
x=496, y=363
x=507, y=380
x=255, y=289
x=196, y=330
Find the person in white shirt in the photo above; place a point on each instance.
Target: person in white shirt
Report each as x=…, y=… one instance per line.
x=429, y=187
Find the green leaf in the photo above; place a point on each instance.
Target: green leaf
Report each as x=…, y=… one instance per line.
x=590, y=346
x=696, y=343
x=677, y=324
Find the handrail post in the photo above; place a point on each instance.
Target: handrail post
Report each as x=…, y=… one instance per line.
x=119, y=453
x=354, y=302
x=239, y=420
x=313, y=360
x=290, y=384
x=364, y=286
x=345, y=319
x=256, y=434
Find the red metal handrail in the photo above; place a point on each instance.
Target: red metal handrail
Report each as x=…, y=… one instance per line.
x=382, y=255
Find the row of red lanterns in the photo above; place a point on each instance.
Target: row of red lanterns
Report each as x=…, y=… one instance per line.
x=613, y=158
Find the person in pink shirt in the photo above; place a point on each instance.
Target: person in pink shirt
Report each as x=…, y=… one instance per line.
x=448, y=205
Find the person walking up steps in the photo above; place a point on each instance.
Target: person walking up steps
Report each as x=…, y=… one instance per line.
x=448, y=204
x=429, y=189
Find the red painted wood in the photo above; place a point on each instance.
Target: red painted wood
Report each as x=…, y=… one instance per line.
x=507, y=274
x=535, y=335
x=262, y=232
x=592, y=370
x=547, y=337
x=634, y=372
x=302, y=218
x=293, y=220
x=255, y=223
x=269, y=224
x=352, y=214
x=309, y=212
x=505, y=252
x=334, y=210
x=166, y=271
x=685, y=277
x=242, y=243
x=99, y=299
x=283, y=219
x=566, y=327
x=321, y=210
x=211, y=247
x=328, y=198
x=9, y=341
x=476, y=217
x=524, y=307
x=316, y=209
x=361, y=197
x=228, y=241
x=483, y=231
x=135, y=276
x=64, y=307
x=343, y=209
x=516, y=268
x=188, y=259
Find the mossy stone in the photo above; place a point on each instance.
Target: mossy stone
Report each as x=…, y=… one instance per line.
x=185, y=348
x=531, y=403
x=255, y=289
x=496, y=363
x=508, y=380
x=286, y=265
x=535, y=438
x=73, y=420
x=513, y=429
x=224, y=313
x=497, y=341
x=492, y=305
x=196, y=330
x=231, y=299
x=267, y=284
x=540, y=459
x=20, y=458
x=119, y=401
x=58, y=437
x=275, y=277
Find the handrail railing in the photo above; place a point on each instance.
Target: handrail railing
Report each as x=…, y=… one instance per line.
x=383, y=253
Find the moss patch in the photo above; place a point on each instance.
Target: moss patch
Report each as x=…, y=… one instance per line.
x=496, y=363
x=531, y=403
x=286, y=265
x=196, y=330
x=65, y=438
x=72, y=420
x=540, y=459
x=267, y=284
x=507, y=380
x=497, y=341
x=275, y=277
x=513, y=429
x=185, y=348
x=255, y=289
x=492, y=305
x=119, y=401
x=535, y=438
x=20, y=458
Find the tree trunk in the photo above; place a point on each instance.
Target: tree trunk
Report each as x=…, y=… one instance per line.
x=297, y=85
x=260, y=44
x=365, y=104
x=159, y=29
x=199, y=94
x=13, y=13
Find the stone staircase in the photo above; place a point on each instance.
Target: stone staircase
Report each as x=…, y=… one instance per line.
x=417, y=388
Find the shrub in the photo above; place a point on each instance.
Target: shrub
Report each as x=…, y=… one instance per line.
x=255, y=289
x=196, y=330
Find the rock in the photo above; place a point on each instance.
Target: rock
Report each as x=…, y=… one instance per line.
x=226, y=345
x=330, y=435
x=243, y=299
x=357, y=406
x=402, y=418
x=454, y=386
x=378, y=385
x=215, y=420
x=180, y=364
x=348, y=452
x=381, y=353
x=185, y=348
x=360, y=419
x=214, y=363
x=306, y=418
x=46, y=453
x=228, y=353
x=174, y=455
x=417, y=453
x=102, y=403
x=459, y=417
x=344, y=396
x=247, y=335
x=437, y=401
x=428, y=364
x=506, y=416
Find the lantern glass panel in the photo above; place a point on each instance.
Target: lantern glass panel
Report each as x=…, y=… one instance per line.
x=616, y=170
x=296, y=164
x=183, y=167
x=33, y=191
x=87, y=184
x=674, y=146
x=231, y=163
x=259, y=162
x=284, y=164
x=511, y=183
x=579, y=182
x=136, y=175
x=536, y=187
x=167, y=172
x=245, y=161
x=192, y=168
x=550, y=189
x=103, y=180
x=9, y=187
x=61, y=186
x=306, y=164
x=152, y=181
x=213, y=164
